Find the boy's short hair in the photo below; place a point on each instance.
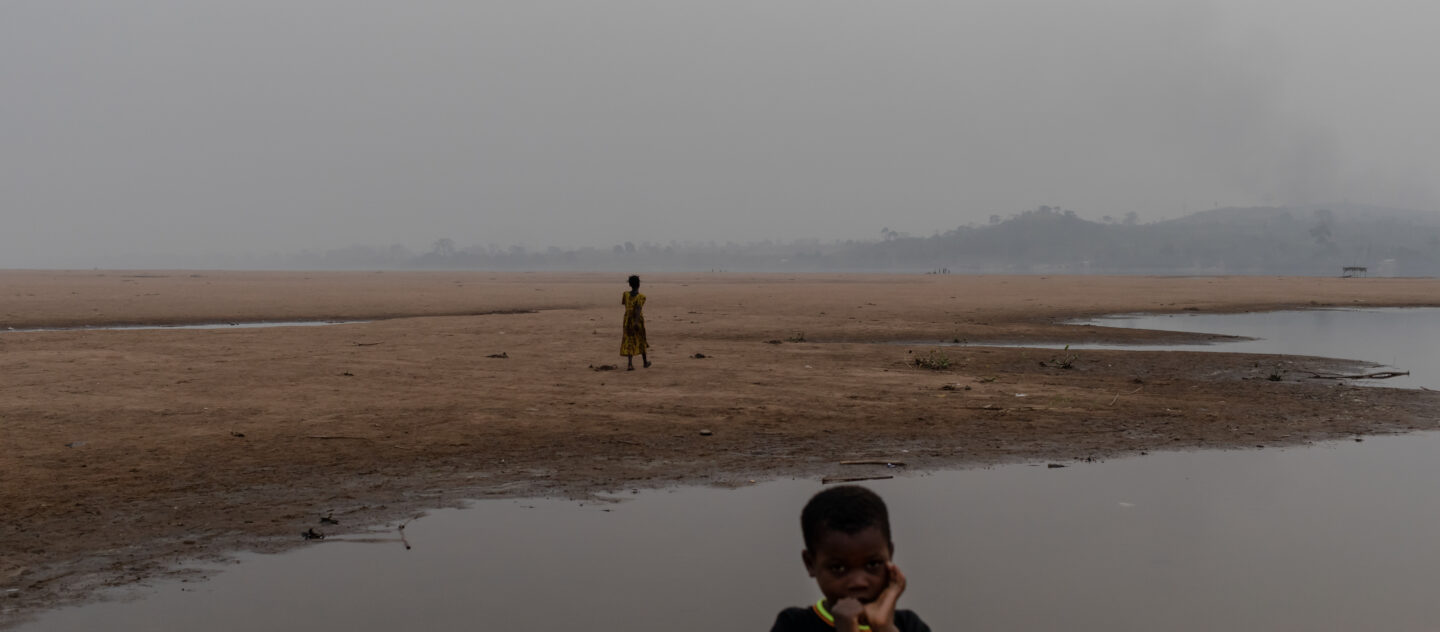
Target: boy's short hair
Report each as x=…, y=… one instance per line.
x=634, y=280
x=848, y=509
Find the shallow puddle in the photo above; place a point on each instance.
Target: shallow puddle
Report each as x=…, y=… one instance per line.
x=1338, y=536
x=1405, y=339
x=244, y=325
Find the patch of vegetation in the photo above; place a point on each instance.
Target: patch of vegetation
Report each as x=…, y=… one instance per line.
x=936, y=360
x=1064, y=361
x=799, y=337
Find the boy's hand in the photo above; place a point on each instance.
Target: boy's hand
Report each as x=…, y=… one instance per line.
x=847, y=614
x=880, y=614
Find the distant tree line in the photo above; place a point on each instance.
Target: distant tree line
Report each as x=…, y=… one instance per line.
x=1052, y=240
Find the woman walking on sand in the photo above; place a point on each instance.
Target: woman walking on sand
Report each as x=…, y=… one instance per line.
x=634, y=340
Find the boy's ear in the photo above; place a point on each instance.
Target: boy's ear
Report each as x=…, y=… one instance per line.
x=809, y=559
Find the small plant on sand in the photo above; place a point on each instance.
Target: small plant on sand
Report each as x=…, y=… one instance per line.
x=936, y=360
x=1063, y=361
x=799, y=337
x=1276, y=374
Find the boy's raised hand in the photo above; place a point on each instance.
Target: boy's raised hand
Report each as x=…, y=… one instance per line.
x=880, y=614
x=847, y=614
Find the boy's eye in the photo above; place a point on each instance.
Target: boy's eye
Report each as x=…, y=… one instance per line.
x=837, y=569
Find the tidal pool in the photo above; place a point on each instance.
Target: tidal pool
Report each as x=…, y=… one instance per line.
x=1338, y=536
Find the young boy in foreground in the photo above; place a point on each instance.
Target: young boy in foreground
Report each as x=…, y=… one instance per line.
x=847, y=551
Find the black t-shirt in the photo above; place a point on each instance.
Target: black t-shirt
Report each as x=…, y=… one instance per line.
x=805, y=620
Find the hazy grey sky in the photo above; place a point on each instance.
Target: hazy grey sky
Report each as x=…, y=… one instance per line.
x=149, y=126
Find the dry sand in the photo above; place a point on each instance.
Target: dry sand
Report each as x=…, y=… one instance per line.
x=125, y=452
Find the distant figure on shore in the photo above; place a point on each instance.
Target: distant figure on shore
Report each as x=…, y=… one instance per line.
x=633, y=342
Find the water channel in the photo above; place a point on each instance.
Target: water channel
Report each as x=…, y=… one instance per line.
x=237, y=325
x=1405, y=339
x=1338, y=536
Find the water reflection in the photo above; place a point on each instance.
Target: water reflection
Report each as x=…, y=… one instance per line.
x=1407, y=339
x=1331, y=537
x=235, y=325
x=1335, y=537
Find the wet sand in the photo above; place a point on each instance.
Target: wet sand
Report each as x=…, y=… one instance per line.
x=128, y=451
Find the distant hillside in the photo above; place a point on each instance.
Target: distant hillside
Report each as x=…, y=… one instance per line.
x=1318, y=240
x=1300, y=240
x=1340, y=212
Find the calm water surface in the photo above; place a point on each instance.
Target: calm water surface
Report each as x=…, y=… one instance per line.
x=1405, y=339
x=1339, y=536
x=1334, y=537
x=240, y=325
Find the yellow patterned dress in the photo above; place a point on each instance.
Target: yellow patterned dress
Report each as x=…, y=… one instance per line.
x=634, y=341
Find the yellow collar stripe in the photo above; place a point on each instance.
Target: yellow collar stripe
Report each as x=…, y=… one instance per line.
x=825, y=614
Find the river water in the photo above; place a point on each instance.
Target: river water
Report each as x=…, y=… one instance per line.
x=1338, y=536
x=1404, y=339
x=234, y=325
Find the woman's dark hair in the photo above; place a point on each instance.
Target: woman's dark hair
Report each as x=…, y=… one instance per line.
x=634, y=281
x=848, y=509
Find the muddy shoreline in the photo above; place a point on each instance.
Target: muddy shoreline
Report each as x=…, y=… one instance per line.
x=130, y=451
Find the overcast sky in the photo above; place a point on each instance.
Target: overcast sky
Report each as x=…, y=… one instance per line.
x=148, y=126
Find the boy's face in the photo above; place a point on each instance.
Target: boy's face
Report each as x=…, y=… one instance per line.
x=850, y=564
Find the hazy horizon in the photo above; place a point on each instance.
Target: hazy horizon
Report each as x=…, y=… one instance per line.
x=169, y=128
